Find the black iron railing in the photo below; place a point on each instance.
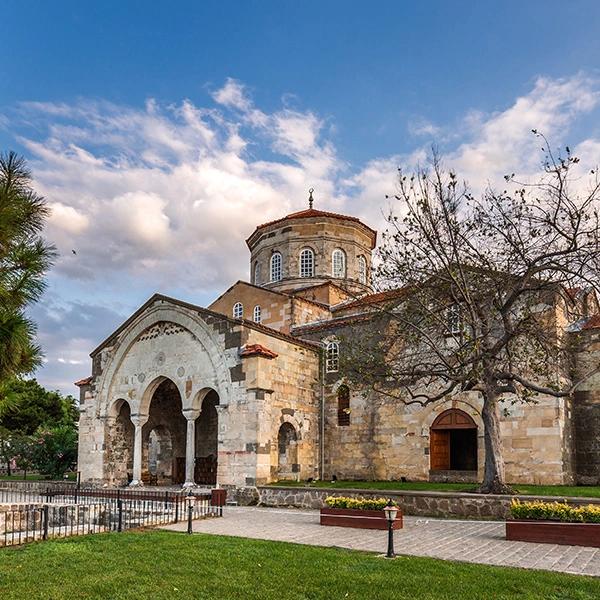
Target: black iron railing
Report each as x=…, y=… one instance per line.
x=27, y=517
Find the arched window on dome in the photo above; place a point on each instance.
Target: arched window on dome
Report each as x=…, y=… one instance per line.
x=332, y=357
x=362, y=269
x=238, y=310
x=256, y=273
x=338, y=263
x=276, y=272
x=257, y=314
x=307, y=263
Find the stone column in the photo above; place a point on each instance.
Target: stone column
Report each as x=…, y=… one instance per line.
x=138, y=422
x=191, y=414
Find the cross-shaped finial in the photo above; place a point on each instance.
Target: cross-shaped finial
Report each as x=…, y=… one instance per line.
x=310, y=197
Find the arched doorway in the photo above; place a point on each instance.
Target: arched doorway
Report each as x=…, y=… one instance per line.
x=287, y=452
x=163, y=438
x=122, y=444
x=453, y=442
x=207, y=431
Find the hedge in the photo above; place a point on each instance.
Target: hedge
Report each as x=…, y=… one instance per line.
x=555, y=511
x=357, y=503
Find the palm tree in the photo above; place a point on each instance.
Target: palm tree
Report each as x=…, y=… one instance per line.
x=24, y=259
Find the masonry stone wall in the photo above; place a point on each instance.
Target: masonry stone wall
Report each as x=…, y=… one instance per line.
x=586, y=410
x=284, y=390
x=416, y=503
x=275, y=308
x=322, y=235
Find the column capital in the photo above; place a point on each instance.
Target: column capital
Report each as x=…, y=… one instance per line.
x=191, y=414
x=138, y=419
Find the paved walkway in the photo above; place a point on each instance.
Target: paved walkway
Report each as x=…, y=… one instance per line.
x=471, y=541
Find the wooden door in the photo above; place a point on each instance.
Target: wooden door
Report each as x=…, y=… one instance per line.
x=439, y=449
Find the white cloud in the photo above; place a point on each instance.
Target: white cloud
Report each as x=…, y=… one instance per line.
x=162, y=197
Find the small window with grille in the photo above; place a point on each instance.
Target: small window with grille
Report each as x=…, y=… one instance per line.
x=276, y=271
x=307, y=263
x=238, y=310
x=257, y=314
x=338, y=262
x=332, y=357
x=343, y=399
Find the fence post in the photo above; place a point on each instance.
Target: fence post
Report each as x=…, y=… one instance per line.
x=45, y=522
x=120, y=518
x=176, y=509
x=189, y=529
x=166, y=499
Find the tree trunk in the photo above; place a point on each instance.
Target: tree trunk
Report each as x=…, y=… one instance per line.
x=493, y=477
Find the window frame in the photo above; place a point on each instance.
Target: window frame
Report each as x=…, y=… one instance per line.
x=257, y=314
x=238, y=307
x=343, y=406
x=338, y=252
x=332, y=357
x=276, y=256
x=454, y=321
x=362, y=270
x=301, y=266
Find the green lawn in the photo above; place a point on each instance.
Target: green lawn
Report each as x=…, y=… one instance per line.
x=166, y=565
x=33, y=477
x=591, y=491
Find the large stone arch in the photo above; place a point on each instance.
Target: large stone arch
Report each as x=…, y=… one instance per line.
x=208, y=343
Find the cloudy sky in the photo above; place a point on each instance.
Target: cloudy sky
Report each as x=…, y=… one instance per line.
x=161, y=136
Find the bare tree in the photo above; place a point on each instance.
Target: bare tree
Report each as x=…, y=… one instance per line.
x=486, y=284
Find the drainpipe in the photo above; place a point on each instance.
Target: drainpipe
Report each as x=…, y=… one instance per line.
x=322, y=407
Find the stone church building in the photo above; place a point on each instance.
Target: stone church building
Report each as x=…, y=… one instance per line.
x=247, y=391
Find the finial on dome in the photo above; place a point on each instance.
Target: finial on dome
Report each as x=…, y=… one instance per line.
x=310, y=197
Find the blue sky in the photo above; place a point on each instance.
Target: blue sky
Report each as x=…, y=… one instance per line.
x=162, y=135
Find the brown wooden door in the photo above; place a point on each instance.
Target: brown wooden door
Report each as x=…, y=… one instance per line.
x=439, y=449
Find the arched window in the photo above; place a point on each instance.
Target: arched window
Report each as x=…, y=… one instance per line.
x=343, y=398
x=362, y=269
x=332, y=357
x=307, y=263
x=256, y=273
x=276, y=267
x=238, y=310
x=256, y=316
x=338, y=261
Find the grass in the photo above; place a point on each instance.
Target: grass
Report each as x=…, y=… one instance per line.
x=166, y=565
x=34, y=477
x=592, y=491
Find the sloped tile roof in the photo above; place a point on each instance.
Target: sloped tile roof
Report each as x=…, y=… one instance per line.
x=257, y=350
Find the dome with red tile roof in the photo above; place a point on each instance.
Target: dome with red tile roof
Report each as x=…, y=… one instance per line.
x=311, y=247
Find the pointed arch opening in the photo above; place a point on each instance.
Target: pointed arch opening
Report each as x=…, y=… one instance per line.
x=207, y=433
x=287, y=452
x=163, y=437
x=121, y=444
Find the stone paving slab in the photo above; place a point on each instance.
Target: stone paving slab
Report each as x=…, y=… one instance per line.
x=471, y=541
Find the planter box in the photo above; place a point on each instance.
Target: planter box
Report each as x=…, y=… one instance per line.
x=554, y=532
x=360, y=519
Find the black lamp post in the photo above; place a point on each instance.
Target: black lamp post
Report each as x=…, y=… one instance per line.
x=390, y=514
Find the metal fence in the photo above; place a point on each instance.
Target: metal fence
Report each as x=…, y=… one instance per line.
x=63, y=513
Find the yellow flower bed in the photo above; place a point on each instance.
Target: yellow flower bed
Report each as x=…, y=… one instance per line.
x=357, y=503
x=555, y=511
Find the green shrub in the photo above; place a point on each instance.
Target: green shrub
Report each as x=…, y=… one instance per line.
x=555, y=511
x=357, y=503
